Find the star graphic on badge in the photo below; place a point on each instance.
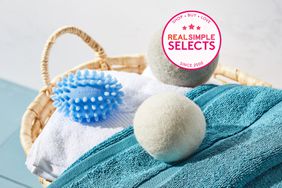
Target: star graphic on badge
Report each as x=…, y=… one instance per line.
x=198, y=28
x=184, y=27
x=191, y=26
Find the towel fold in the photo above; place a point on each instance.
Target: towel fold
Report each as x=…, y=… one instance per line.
x=242, y=147
x=63, y=141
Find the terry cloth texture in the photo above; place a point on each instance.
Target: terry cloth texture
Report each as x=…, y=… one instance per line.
x=242, y=147
x=63, y=141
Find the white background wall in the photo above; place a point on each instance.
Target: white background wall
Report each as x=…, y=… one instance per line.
x=251, y=32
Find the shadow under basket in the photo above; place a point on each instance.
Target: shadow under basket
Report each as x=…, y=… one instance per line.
x=40, y=110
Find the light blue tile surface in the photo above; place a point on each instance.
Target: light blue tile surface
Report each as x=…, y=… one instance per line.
x=8, y=183
x=14, y=100
x=12, y=161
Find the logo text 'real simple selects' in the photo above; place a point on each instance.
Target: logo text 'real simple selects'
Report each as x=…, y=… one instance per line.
x=191, y=40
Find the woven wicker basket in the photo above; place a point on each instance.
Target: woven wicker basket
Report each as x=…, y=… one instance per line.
x=40, y=110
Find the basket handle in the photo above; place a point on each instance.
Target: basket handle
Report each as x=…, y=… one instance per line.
x=78, y=32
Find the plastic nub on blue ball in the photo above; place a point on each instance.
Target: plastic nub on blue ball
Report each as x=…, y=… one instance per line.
x=87, y=96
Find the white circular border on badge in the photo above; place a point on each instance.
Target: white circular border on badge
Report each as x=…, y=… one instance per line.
x=191, y=40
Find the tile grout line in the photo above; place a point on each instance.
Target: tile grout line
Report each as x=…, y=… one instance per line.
x=14, y=181
x=9, y=137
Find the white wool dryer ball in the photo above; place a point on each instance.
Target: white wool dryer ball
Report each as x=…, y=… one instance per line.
x=169, y=126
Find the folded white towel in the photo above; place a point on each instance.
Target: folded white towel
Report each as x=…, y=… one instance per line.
x=63, y=141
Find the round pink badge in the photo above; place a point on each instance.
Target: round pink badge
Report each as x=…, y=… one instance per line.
x=191, y=40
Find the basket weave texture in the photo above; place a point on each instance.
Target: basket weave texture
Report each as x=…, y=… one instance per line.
x=40, y=110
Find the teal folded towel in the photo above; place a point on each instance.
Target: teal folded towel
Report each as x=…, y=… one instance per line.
x=242, y=147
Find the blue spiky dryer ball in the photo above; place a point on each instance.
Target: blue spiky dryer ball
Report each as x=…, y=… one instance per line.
x=87, y=96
